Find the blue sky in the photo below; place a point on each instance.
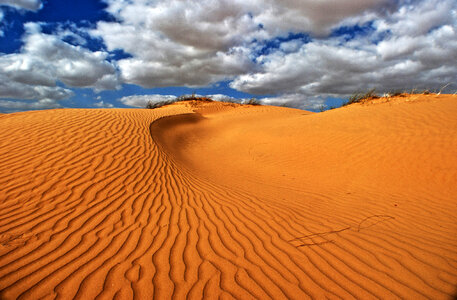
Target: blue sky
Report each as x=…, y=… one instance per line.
x=304, y=54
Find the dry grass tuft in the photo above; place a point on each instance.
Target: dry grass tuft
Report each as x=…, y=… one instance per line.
x=360, y=97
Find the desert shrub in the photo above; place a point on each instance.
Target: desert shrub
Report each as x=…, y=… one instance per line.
x=398, y=93
x=193, y=98
x=443, y=88
x=324, y=107
x=229, y=100
x=393, y=93
x=253, y=101
x=423, y=92
x=152, y=105
x=287, y=104
x=359, y=97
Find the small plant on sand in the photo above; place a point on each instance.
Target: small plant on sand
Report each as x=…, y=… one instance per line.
x=229, y=100
x=443, y=87
x=395, y=93
x=253, y=101
x=324, y=107
x=193, y=97
x=416, y=91
x=152, y=105
x=359, y=97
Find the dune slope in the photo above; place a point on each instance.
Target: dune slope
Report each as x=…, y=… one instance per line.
x=223, y=201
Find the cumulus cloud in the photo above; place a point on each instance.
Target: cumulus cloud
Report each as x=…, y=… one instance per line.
x=160, y=61
x=195, y=43
x=295, y=100
x=415, y=51
x=15, y=89
x=191, y=72
x=103, y=104
x=9, y=106
x=315, y=17
x=45, y=60
x=23, y=4
x=419, y=19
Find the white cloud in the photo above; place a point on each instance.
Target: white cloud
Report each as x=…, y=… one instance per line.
x=192, y=72
x=316, y=17
x=158, y=60
x=23, y=4
x=71, y=31
x=103, y=104
x=418, y=19
x=9, y=106
x=295, y=100
x=45, y=60
x=195, y=43
x=22, y=89
x=307, y=70
x=415, y=52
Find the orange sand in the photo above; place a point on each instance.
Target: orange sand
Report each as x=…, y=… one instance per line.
x=218, y=200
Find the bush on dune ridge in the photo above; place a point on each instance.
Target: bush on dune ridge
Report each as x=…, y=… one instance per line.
x=152, y=105
x=253, y=101
x=371, y=94
x=357, y=97
x=193, y=97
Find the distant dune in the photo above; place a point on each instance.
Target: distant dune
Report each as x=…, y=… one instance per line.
x=217, y=200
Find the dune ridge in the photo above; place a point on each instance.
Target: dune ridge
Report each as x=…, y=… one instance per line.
x=212, y=200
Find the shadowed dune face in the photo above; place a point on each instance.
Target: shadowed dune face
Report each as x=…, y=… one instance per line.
x=181, y=137
x=211, y=200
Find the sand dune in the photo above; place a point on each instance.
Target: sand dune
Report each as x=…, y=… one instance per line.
x=213, y=200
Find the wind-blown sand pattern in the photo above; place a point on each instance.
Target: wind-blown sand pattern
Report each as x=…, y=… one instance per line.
x=211, y=200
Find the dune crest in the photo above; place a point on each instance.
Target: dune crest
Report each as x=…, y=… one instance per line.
x=213, y=200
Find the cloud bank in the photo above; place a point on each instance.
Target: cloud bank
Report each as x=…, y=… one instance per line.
x=46, y=65
x=414, y=47
x=195, y=43
x=9, y=106
x=389, y=44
